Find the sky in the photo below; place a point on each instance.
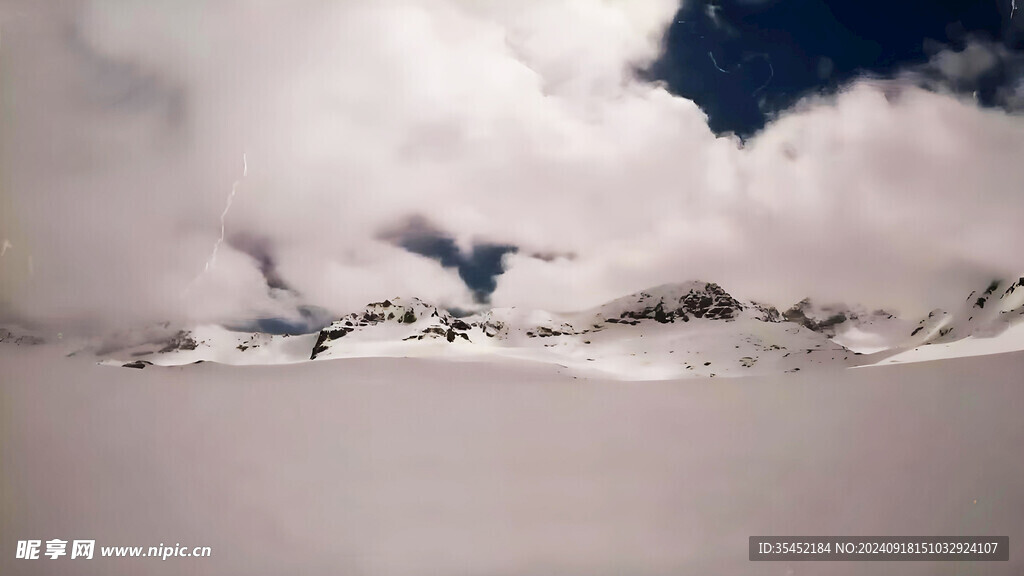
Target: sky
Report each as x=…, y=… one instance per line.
x=745, y=61
x=235, y=162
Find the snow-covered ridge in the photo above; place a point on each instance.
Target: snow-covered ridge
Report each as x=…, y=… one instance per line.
x=990, y=321
x=411, y=319
x=854, y=327
x=984, y=319
x=673, y=330
x=669, y=331
x=669, y=303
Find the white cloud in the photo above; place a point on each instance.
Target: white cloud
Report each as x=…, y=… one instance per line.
x=518, y=123
x=970, y=63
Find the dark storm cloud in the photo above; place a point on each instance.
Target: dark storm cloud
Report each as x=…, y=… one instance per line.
x=742, y=61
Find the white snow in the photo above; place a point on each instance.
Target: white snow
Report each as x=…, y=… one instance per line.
x=218, y=344
x=397, y=467
x=1010, y=340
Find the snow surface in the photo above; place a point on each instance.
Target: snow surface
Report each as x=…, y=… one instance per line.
x=991, y=321
x=1009, y=341
x=411, y=466
x=218, y=344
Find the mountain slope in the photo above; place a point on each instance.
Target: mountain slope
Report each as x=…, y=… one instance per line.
x=990, y=321
x=673, y=330
x=851, y=326
x=692, y=329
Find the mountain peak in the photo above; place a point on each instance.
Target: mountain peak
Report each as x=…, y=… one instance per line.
x=677, y=301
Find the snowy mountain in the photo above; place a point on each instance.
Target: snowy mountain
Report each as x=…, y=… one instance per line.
x=987, y=322
x=167, y=346
x=673, y=330
x=991, y=320
x=985, y=313
x=669, y=331
x=851, y=326
x=399, y=320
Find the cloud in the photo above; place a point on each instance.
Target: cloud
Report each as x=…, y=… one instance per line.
x=512, y=124
x=969, y=64
x=991, y=73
